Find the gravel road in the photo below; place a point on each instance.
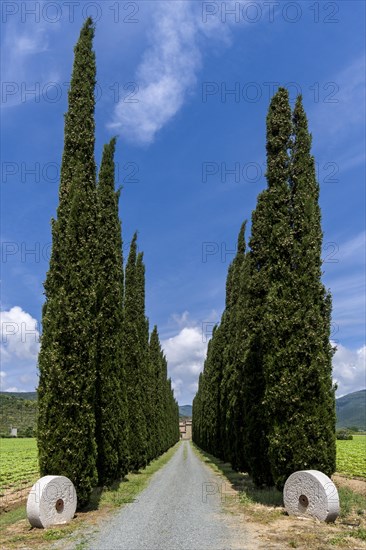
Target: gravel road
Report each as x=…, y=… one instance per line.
x=179, y=510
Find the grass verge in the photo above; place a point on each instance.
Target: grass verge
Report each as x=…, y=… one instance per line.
x=263, y=508
x=17, y=533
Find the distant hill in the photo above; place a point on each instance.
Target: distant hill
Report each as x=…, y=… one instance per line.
x=18, y=412
x=351, y=410
x=185, y=411
x=30, y=395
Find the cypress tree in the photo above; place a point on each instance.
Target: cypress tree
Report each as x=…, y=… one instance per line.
x=231, y=374
x=172, y=416
x=211, y=398
x=276, y=412
x=164, y=391
x=240, y=413
x=222, y=334
x=111, y=398
x=215, y=357
x=160, y=423
x=299, y=392
x=197, y=414
x=155, y=364
x=144, y=365
x=269, y=265
x=217, y=426
x=66, y=392
x=132, y=362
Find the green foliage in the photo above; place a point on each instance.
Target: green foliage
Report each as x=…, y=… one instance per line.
x=299, y=397
x=97, y=400
x=133, y=360
x=269, y=295
x=28, y=396
x=153, y=411
x=66, y=422
x=232, y=368
x=344, y=434
x=217, y=407
x=111, y=396
x=265, y=400
x=164, y=412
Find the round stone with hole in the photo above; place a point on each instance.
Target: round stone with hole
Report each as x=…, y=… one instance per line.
x=311, y=493
x=51, y=501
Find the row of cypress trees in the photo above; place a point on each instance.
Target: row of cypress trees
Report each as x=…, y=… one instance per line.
x=106, y=406
x=265, y=400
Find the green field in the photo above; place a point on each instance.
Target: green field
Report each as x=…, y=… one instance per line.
x=351, y=456
x=18, y=466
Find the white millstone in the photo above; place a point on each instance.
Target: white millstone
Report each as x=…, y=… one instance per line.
x=311, y=493
x=51, y=501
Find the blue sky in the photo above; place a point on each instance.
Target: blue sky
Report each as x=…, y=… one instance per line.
x=186, y=86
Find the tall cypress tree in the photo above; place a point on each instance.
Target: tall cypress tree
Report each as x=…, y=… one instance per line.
x=164, y=376
x=276, y=394
x=111, y=398
x=211, y=397
x=144, y=365
x=218, y=416
x=232, y=374
x=269, y=264
x=155, y=367
x=220, y=341
x=243, y=390
x=197, y=413
x=66, y=422
x=299, y=393
x=215, y=358
x=132, y=361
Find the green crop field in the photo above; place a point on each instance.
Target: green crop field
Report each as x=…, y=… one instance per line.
x=351, y=456
x=18, y=466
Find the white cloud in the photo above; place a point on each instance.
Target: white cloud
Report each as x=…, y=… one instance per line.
x=352, y=158
x=185, y=352
x=188, y=342
x=176, y=385
x=168, y=70
x=349, y=369
x=24, y=69
x=181, y=319
x=348, y=315
x=354, y=249
x=25, y=378
x=19, y=335
x=193, y=387
x=29, y=44
x=344, y=112
x=19, y=349
x=346, y=280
